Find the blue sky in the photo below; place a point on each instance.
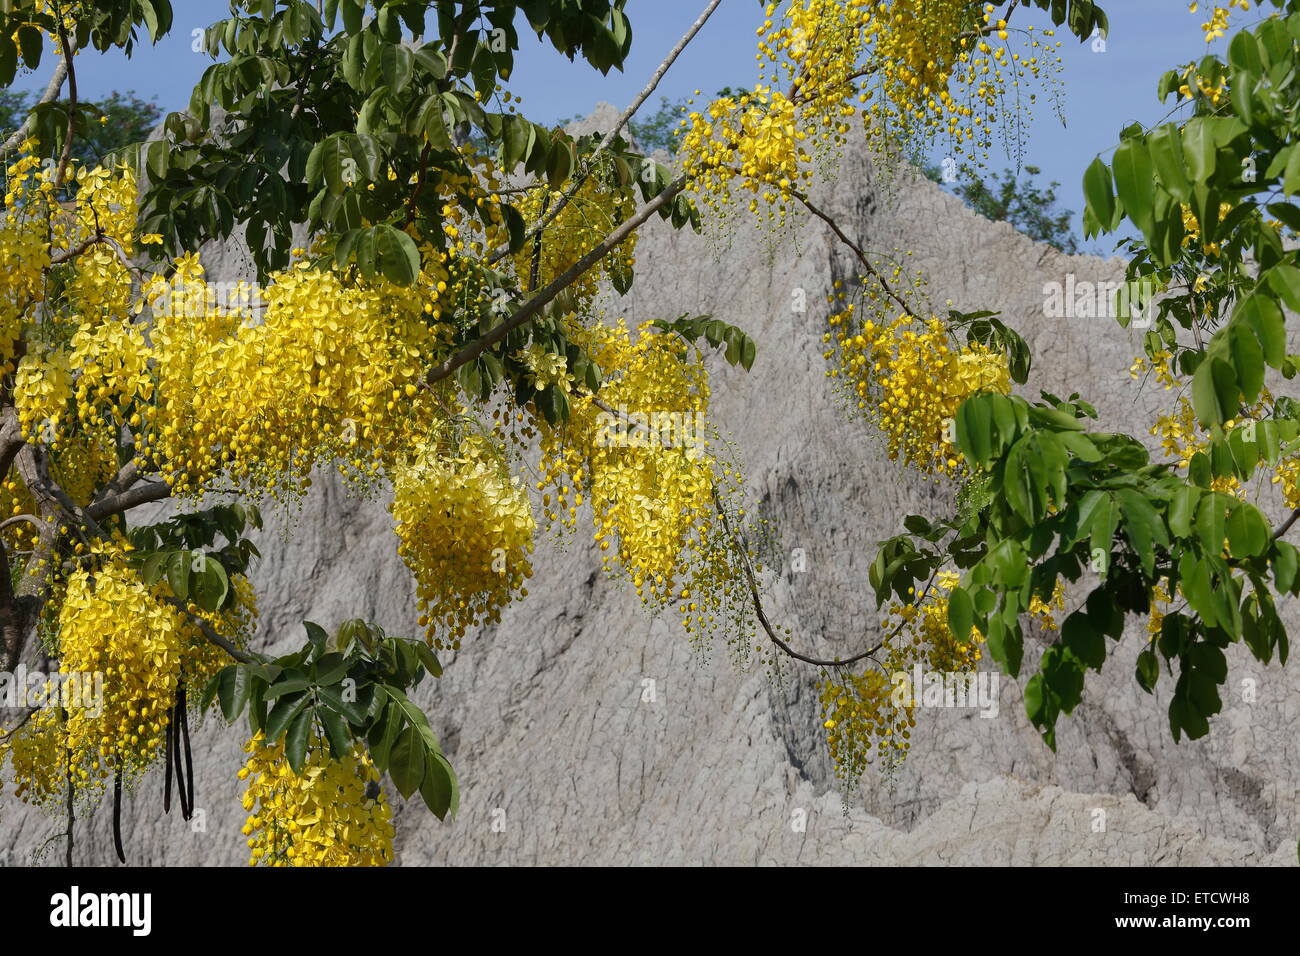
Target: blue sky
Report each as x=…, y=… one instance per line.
x=1103, y=91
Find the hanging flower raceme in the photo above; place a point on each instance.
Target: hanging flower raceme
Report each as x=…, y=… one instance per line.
x=332, y=813
x=465, y=530
x=123, y=651
x=909, y=377
x=42, y=389
x=911, y=70
x=326, y=371
x=869, y=717
x=640, y=456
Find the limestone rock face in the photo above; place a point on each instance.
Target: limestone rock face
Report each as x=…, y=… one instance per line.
x=561, y=758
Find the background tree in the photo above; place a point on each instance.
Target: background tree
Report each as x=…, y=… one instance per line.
x=123, y=120
x=1008, y=197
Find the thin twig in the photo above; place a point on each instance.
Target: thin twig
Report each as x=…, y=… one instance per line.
x=761, y=614
x=211, y=635
x=533, y=306
x=72, y=104
x=857, y=250
x=548, y=218
x=1285, y=526
x=49, y=96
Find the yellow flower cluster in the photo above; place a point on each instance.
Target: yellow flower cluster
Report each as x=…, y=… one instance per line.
x=916, y=69
x=1045, y=611
x=1161, y=365
x=1181, y=437
x=863, y=724
x=749, y=141
x=111, y=624
x=329, y=370
x=1217, y=25
x=334, y=813
x=1160, y=601
x=42, y=389
x=1192, y=228
x=1287, y=476
x=465, y=530
x=27, y=225
x=869, y=717
x=111, y=358
x=945, y=68
x=650, y=494
x=910, y=378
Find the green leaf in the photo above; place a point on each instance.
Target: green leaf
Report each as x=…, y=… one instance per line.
x=406, y=761
x=1248, y=532
x=383, y=734
x=396, y=255
x=1247, y=360
x=1285, y=281
x=316, y=635
x=349, y=709
x=153, y=567
x=1133, y=176
x=210, y=689
x=1212, y=522
x=439, y=787
x=1198, y=149
x=1097, y=190
x=178, y=574
x=336, y=731
x=1142, y=526
x=1080, y=635
x=282, y=714
x=414, y=716
x=211, y=585
x=1148, y=670
x=1286, y=562
x=974, y=430
x=293, y=682
x=233, y=688
x=1214, y=392
x=429, y=659
x=395, y=64
x=961, y=614
x=295, y=742
x=1166, y=150
x=31, y=43
x=352, y=11
x=1264, y=318
x=1181, y=509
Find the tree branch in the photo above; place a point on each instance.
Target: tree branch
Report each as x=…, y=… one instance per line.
x=534, y=305
x=1285, y=526
x=68, y=52
x=210, y=633
x=49, y=96
x=132, y=497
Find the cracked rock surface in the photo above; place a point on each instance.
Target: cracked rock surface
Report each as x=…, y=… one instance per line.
x=561, y=758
